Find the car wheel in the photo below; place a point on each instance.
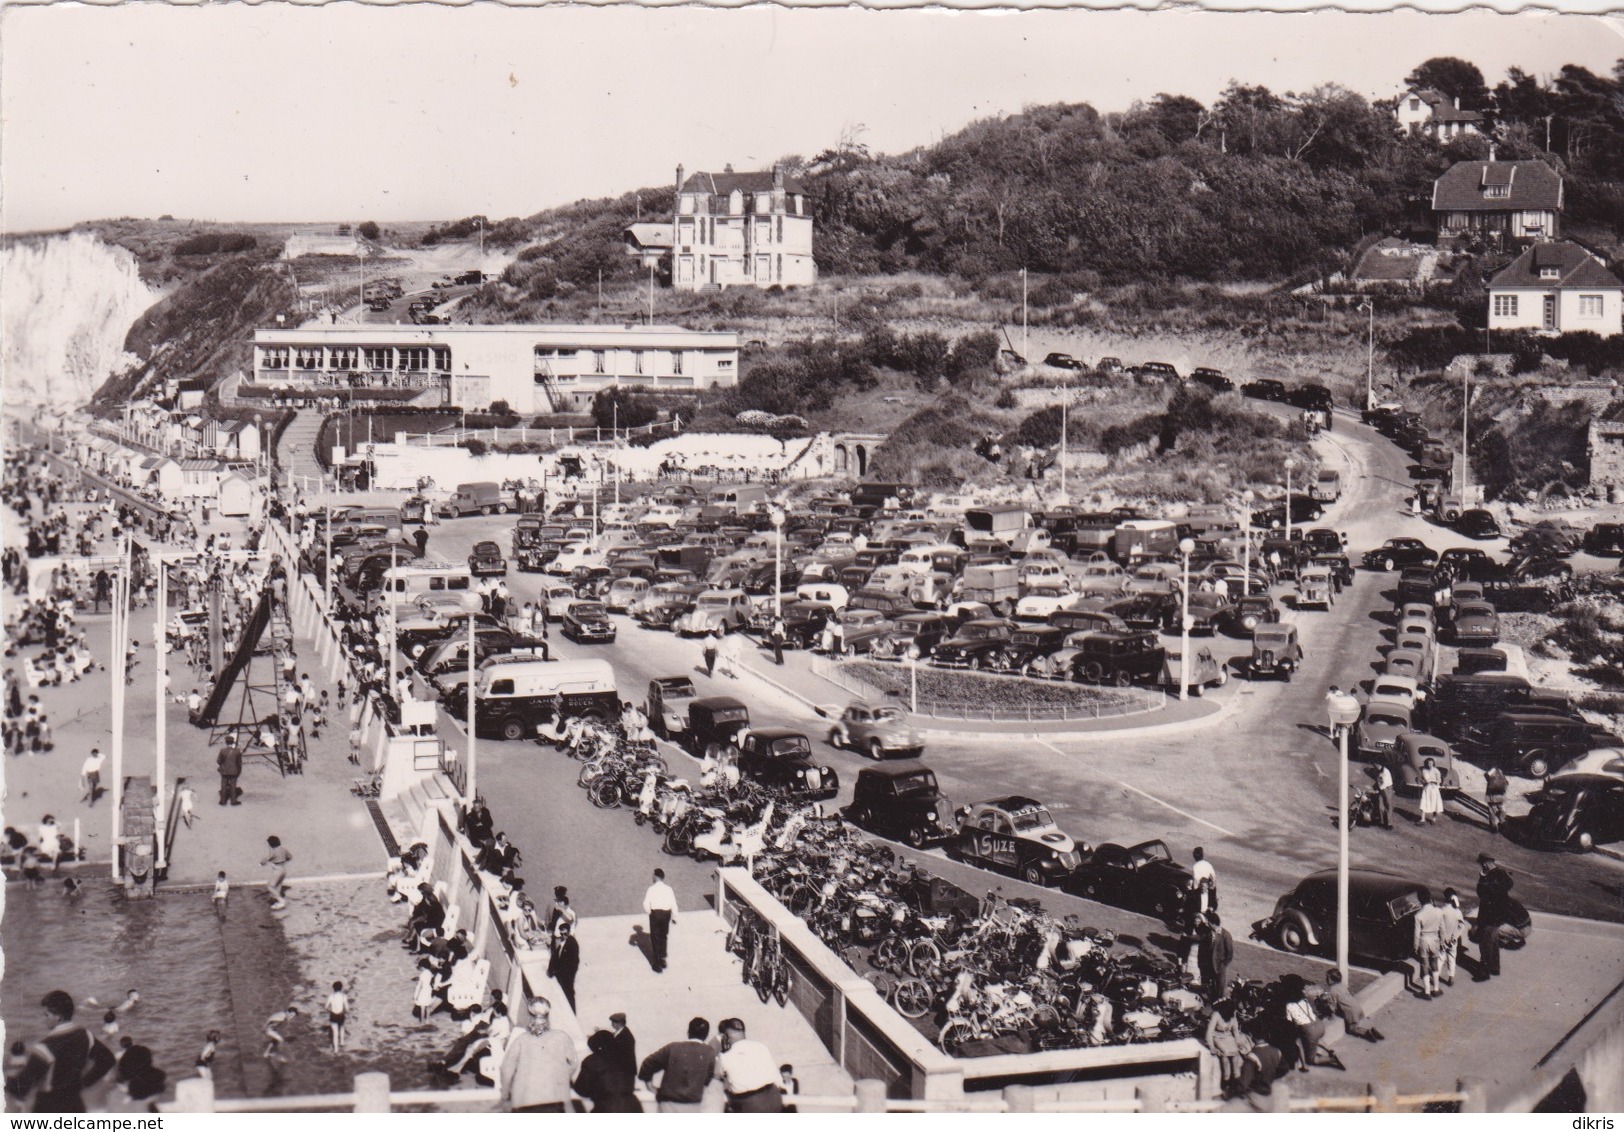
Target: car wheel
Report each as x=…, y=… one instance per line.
x=1586, y=841
x=1164, y=904
x=863, y=817
x=485, y=510
x=1388, y=564
x=1249, y=623
x=1093, y=672
x=978, y=663
x=834, y=738
x=1536, y=763
x=876, y=750
x=1033, y=875
x=916, y=837
x=1223, y=676
x=1291, y=937
x=1122, y=679
x=512, y=729
x=417, y=650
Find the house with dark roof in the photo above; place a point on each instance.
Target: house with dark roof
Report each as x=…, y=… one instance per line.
x=1503, y=200
x=650, y=243
x=1557, y=287
x=1433, y=114
x=741, y=230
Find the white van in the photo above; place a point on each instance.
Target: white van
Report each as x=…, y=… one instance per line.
x=517, y=697
x=404, y=585
x=826, y=592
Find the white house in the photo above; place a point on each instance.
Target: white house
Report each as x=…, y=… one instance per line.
x=1557, y=288
x=741, y=230
x=1435, y=115
x=534, y=368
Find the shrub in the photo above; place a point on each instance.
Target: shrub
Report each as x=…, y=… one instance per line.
x=1007, y=399
x=367, y=229
x=475, y=446
x=622, y=407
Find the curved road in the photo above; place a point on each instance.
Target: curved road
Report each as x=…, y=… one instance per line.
x=1256, y=787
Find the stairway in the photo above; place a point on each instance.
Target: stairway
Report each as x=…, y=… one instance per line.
x=296, y=451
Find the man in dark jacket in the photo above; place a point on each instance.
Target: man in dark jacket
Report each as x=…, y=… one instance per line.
x=685, y=1068
x=229, y=764
x=62, y=1064
x=625, y=1042
x=566, y=961
x=1215, y=952
x=1493, y=909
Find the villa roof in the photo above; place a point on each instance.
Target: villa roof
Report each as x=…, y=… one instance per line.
x=1575, y=267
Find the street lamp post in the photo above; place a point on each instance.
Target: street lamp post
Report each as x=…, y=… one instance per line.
x=913, y=679
x=1186, y=547
x=1026, y=351
x=1246, y=545
x=1065, y=406
x=1369, y=307
x=1343, y=710
x=1290, y=464
x=1465, y=417
x=777, y=516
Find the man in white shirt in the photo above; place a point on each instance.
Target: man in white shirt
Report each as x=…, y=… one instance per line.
x=748, y=1071
x=1206, y=879
x=660, y=904
x=1384, y=797
x=90, y=776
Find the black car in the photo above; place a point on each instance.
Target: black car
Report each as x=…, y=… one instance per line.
x=804, y=622
x=923, y=631
x=974, y=644
x=1156, y=372
x=1026, y=645
x=1459, y=701
x=901, y=802
x=1310, y=395
x=1265, y=389
x=450, y=657
x=487, y=560
x=1604, y=539
x=1340, y=566
x=1122, y=658
x=1397, y=552
x=1144, y=611
x=1546, y=540
x=1304, y=509
x=1477, y=523
x=1534, y=743
x=1062, y=361
x=1323, y=540
x=1213, y=379
x=780, y=758
x=1016, y=835
x=414, y=640
x=587, y=622
x=1575, y=811
x=1471, y=564
x=1419, y=584
x=1381, y=909
x=1143, y=877
x=713, y=722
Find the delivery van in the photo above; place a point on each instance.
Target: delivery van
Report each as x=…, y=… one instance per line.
x=514, y=699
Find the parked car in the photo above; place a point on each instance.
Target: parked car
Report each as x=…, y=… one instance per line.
x=714, y=611
x=1156, y=372
x=1208, y=610
x=1381, y=911
x=1409, y=756
x=1144, y=610
x=1459, y=701
x=714, y=724
x=1275, y=652
x=902, y=802
x=1113, y=656
x=416, y=632
x=1477, y=523
x=973, y=644
x=1247, y=614
x=877, y=730
x=1315, y=587
x=1575, y=811
x=1604, y=539
x=1143, y=877
x=1340, y=567
x=1028, y=644
x=587, y=623
x=781, y=758
x=667, y=705
x=1397, y=552
x=923, y=631
x=486, y=560
x=1475, y=624
x=1533, y=744
x=1401, y=690
x=804, y=622
x=1379, y=729
x=1213, y=379
x=1016, y=835
x=1304, y=509
x=1407, y=662
x=1062, y=361
x=854, y=630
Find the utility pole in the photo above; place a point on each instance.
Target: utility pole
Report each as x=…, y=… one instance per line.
x=160, y=723
x=1369, y=305
x=473, y=743
x=1026, y=352
x=651, y=294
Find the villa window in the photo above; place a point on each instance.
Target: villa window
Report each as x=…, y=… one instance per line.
x=1590, y=306
x=342, y=357
x=380, y=357
x=1550, y=273
x=637, y=361
x=442, y=358
x=1497, y=192
x=600, y=361
x=276, y=357
x=307, y=357
x=676, y=361
x=1505, y=306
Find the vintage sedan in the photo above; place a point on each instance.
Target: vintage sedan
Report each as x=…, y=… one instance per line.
x=782, y=758
x=1575, y=811
x=556, y=599
x=855, y=630
x=922, y=631
x=1409, y=663
x=1247, y=613
x=1144, y=610
x=1379, y=729
x=714, y=611
x=1016, y=835
x=973, y=645
x=1028, y=645
x=877, y=730
x=804, y=622
x=1394, y=690
x=1098, y=578
x=487, y=561
x=1410, y=755
x=1315, y=587
x=1398, y=552
x=1039, y=602
x=1275, y=652
x=1476, y=624
x=1381, y=909
x=903, y=802
x=1143, y=877
x=587, y=623
x=667, y=705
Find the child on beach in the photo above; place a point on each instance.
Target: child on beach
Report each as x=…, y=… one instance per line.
x=338, y=1006
x=274, y=1038
x=423, y=995
x=222, y=892
x=205, y=1057
x=277, y=859
x=187, y=798
x=109, y=1024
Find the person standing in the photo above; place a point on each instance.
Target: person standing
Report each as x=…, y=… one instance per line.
x=1432, y=797
x=709, y=651
x=685, y=1068
x=748, y=1071
x=1216, y=952
x=62, y=1064
x=779, y=632
x=229, y=763
x=604, y=1079
x=1493, y=896
x=1205, y=877
x=1429, y=944
x=90, y=776
x=565, y=962
x=277, y=859
x=1494, y=794
x=625, y=1042
x=1454, y=936
x=1384, y=797
x=538, y=1064
x=660, y=905
x=338, y=1009
x=421, y=538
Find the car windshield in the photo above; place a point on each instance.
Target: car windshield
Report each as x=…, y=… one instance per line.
x=1393, y=691
x=1272, y=638
x=1401, y=906
x=790, y=747
x=1149, y=851
x=978, y=632
x=1035, y=818
x=919, y=782
x=714, y=599
x=1382, y=719
x=588, y=609
x=888, y=715
x=1029, y=637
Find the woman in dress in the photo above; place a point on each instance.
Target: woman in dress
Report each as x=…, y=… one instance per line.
x=1432, y=797
x=423, y=998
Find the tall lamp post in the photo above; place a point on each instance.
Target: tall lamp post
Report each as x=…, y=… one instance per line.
x=1065, y=406
x=1369, y=307
x=259, y=435
x=777, y=516
x=913, y=679
x=1465, y=417
x=1186, y=548
x=1291, y=463
x=1343, y=710
x=1025, y=349
x=1246, y=545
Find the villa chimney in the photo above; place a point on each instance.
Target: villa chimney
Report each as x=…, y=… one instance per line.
x=679, y=178
x=1491, y=152
x=728, y=168
x=1457, y=102
x=778, y=176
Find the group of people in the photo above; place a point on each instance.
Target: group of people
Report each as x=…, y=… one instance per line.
x=54, y=1073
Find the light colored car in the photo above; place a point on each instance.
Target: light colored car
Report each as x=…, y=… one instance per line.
x=877, y=730
x=1315, y=587
x=1396, y=690
x=719, y=611
x=571, y=555
x=556, y=599
x=1040, y=602
x=1380, y=726
x=1154, y=578
x=1098, y=578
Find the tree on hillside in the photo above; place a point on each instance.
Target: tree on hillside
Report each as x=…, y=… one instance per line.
x=367, y=230
x=1455, y=78
x=621, y=408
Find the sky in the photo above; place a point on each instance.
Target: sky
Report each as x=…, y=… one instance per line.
x=352, y=112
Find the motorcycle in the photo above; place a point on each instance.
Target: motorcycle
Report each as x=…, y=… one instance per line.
x=1362, y=807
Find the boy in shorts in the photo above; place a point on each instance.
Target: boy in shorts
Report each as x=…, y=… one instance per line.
x=338, y=1005
x=274, y=1039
